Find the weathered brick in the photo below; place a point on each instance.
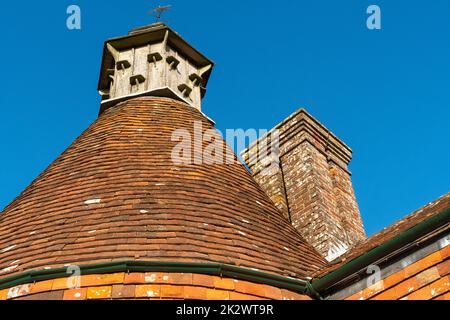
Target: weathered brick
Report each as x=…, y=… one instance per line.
x=154, y=277
x=102, y=279
x=169, y=291
x=41, y=286
x=169, y=278
x=272, y=293
x=423, y=264
x=425, y=285
x=249, y=288
x=221, y=283
x=148, y=291
x=120, y=291
x=51, y=296
x=444, y=268
x=428, y=276
x=439, y=287
x=289, y=295
x=445, y=252
x=134, y=278
x=180, y=278
x=406, y=287
x=195, y=293
x=236, y=296
x=61, y=284
x=19, y=291
x=213, y=294
x=203, y=280
x=3, y=294
x=103, y=292
x=75, y=294
x=389, y=294
x=421, y=294
x=394, y=279
x=373, y=290
x=357, y=296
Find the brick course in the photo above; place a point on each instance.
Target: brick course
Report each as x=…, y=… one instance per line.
x=158, y=285
x=423, y=280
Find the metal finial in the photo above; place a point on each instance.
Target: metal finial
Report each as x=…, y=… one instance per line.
x=158, y=12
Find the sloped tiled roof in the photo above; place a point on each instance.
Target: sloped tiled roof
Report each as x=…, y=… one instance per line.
x=115, y=194
x=389, y=233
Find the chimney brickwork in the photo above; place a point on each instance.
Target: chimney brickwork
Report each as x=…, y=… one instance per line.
x=311, y=185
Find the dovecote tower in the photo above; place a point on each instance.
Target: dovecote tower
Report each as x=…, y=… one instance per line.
x=153, y=61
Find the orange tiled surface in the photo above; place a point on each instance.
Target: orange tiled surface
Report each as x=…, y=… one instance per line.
x=424, y=280
x=149, y=286
x=388, y=233
x=115, y=194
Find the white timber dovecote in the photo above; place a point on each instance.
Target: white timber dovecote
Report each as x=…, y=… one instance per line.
x=153, y=61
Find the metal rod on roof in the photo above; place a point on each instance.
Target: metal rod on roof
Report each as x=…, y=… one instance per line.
x=157, y=12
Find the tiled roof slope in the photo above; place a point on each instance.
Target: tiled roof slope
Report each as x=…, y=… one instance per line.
x=388, y=233
x=115, y=194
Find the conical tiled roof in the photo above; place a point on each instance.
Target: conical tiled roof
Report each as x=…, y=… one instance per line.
x=115, y=194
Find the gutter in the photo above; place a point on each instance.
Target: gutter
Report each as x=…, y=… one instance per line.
x=316, y=288
x=216, y=269
x=321, y=286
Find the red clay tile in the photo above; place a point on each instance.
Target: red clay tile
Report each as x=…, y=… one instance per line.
x=115, y=193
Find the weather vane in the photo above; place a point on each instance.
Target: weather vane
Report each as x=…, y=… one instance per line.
x=158, y=12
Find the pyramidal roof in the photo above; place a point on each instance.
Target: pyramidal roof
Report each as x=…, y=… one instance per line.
x=116, y=194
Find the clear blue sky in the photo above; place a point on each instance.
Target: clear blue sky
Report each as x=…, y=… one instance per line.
x=385, y=93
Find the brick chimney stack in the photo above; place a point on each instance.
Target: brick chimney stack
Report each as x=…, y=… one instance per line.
x=311, y=185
